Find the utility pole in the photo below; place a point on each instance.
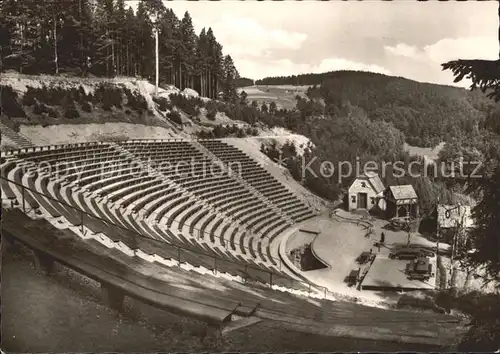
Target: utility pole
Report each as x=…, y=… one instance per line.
x=455, y=244
x=438, y=228
x=157, y=60
x=154, y=18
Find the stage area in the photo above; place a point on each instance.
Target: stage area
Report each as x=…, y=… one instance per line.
x=337, y=245
x=389, y=275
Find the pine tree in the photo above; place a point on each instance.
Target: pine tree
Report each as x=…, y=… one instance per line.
x=188, y=50
x=485, y=74
x=105, y=38
x=202, y=63
x=145, y=43
x=74, y=37
x=130, y=42
x=229, y=80
x=119, y=16
x=216, y=71
x=21, y=23
x=103, y=27
x=168, y=27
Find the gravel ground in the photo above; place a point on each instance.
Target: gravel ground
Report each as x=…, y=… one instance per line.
x=63, y=313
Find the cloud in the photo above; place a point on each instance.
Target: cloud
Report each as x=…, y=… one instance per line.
x=447, y=49
x=464, y=48
x=254, y=48
x=427, y=59
x=285, y=67
x=403, y=50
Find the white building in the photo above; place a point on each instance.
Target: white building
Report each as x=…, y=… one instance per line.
x=365, y=192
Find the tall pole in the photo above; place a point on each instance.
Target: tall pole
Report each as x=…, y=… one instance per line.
x=157, y=61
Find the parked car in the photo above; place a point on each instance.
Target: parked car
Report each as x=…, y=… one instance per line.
x=398, y=224
x=419, y=269
x=353, y=277
x=410, y=253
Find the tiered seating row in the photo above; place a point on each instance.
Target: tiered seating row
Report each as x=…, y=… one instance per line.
x=189, y=168
x=260, y=179
x=183, y=202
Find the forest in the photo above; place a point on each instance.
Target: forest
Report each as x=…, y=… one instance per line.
x=244, y=81
x=106, y=38
x=360, y=116
x=426, y=113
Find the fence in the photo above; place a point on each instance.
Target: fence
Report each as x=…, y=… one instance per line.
x=197, y=256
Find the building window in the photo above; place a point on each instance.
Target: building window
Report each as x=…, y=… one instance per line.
x=353, y=199
x=372, y=199
x=363, y=184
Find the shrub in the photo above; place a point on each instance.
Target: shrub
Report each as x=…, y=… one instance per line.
x=39, y=108
x=250, y=131
x=163, y=103
x=82, y=96
x=55, y=96
x=108, y=137
x=10, y=103
x=16, y=127
x=42, y=108
x=106, y=106
x=42, y=94
x=204, y=134
x=29, y=96
x=190, y=105
x=419, y=300
x=115, y=96
x=240, y=133
x=127, y=111
x=71, y=112
x=53, y=113
x=109, y=96
x=73, y=94
x=135, y=101
x=175, y=117
x=211, y=112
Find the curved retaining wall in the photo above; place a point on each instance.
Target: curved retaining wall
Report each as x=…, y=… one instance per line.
x=284, y=256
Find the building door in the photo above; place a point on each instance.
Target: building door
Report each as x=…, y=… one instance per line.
x=362, y=201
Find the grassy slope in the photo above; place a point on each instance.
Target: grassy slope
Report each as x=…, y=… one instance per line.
x=284, y=95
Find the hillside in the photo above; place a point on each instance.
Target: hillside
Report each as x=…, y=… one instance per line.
x=426, y=113
x=47, y=110
x=350, y=116
x=84, y=43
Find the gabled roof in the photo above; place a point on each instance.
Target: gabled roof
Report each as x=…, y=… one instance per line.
x=403, y=192
x=374, y=180
x=454, y=215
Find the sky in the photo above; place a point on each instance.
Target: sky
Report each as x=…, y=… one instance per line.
x=399, y=38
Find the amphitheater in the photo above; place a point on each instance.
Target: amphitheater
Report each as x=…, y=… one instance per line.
x=211, y=216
